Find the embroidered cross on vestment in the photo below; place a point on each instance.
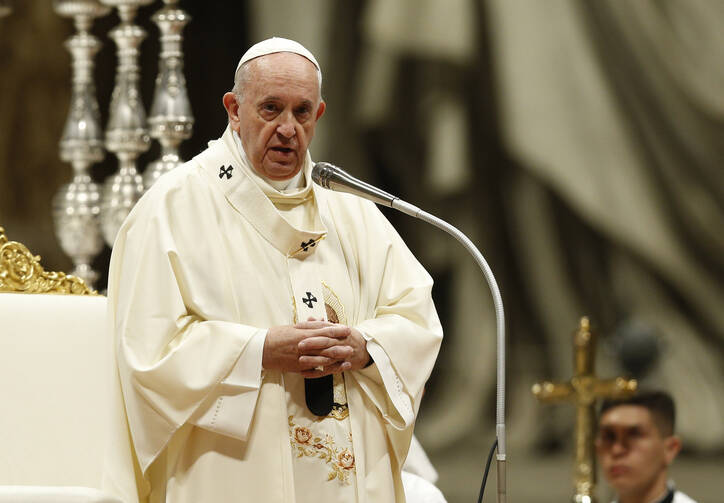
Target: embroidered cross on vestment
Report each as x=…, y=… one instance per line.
x=308, y=244
x=309, y=300
x=223, y=170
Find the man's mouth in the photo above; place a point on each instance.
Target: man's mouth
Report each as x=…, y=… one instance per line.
x=617, y=470
x=283, y=150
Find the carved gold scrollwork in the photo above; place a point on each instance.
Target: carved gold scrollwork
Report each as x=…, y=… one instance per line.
x=20, y=271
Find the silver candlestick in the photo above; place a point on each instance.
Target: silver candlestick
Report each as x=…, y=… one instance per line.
x=76, y=206
x=171, y=119
x=5, y=8
x=127, y=132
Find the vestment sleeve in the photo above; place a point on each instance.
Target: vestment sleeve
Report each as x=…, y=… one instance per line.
x=230, y=408
x=401, y=324
x=176, y=365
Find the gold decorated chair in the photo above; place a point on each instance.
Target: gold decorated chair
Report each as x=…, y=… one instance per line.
x=62, y=433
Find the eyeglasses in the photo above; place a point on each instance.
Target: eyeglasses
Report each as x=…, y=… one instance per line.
x=608, y=437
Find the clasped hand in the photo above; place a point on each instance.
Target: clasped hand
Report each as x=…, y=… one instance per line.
x=312, y=345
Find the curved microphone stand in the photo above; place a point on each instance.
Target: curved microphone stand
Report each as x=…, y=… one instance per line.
x=334, y=178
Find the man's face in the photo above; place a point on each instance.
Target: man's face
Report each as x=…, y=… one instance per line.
x=279, y=109
x=632, y=452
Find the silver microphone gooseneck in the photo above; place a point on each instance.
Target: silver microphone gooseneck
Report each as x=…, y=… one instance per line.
x=334, y=178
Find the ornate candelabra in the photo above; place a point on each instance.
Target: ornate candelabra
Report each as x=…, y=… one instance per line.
x=126, y=133
x=171, y=119
x=5, y=8
x=76, y=206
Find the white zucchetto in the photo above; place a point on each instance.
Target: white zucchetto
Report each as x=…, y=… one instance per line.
x=273, y=45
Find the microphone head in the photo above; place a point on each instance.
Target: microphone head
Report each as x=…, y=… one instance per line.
x=321, y=173
x=331, y=177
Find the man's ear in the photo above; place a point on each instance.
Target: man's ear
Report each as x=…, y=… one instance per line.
x=232, y=110
x=320, y=110
x=672, y=446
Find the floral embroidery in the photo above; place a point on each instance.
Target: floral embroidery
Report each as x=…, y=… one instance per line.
x=345, y=459
x=340, y=461
x=302, y=435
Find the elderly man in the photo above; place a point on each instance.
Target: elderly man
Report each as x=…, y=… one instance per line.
x=273, y=338
x=636, y=445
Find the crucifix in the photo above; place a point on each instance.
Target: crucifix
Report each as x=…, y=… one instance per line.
x=583, y=390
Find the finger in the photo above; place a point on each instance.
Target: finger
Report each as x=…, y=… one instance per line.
x=312, y=323
x=337, y=352
x=311, y=362
x=336, y=368
x=313, y=345
x=336, y=331
x=325, y=328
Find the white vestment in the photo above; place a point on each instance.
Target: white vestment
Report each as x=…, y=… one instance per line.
x=202, y=267
x=679, y=497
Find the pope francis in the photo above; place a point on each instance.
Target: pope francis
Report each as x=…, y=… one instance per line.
x=273, y=338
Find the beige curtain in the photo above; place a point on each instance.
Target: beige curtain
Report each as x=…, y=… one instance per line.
x=617, y=108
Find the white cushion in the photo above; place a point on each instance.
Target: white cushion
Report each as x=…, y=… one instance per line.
x=27, y=494
x=62, y=416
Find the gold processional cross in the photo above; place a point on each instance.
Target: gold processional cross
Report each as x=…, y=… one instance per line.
x=583, y=390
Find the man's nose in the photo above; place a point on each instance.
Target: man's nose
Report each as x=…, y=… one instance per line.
x=286, y=127
x=619, y=447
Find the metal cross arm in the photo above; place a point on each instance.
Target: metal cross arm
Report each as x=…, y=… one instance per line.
x=583, y=390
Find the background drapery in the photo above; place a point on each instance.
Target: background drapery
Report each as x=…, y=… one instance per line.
x=579, y=144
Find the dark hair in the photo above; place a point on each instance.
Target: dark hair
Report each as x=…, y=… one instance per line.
x=659, y=404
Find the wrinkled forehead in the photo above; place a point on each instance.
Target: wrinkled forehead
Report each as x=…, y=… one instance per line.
x=292, y=72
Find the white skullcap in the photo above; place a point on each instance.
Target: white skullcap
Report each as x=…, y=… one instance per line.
x=273, y=45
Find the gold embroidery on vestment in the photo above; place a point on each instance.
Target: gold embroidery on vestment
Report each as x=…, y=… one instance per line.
x=311, y=244
x=339, y=411
x=305, y=444
x=332, y=301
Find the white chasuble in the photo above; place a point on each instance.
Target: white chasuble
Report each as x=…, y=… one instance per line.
x=322, y=448
x=205, y=263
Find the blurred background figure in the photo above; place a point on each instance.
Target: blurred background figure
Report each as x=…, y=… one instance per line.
x=636, y=445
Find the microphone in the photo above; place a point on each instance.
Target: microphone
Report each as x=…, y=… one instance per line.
x=331, y=177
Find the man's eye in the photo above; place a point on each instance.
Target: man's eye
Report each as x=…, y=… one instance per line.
x=303, y=111
x=607, y=437
x=635, y=433
x=269, y=107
